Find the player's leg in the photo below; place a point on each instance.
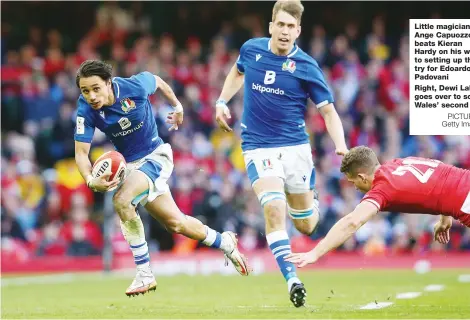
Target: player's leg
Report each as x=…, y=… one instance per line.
x=158, y=168
x=303, y=210
x=266, y=175
x=135, y=185
x=165, y=210
x=302, y=197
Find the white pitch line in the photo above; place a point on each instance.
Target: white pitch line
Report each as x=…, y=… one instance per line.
x=464, y=278
x=46, y=279
x=61, y=278
x=411, y=295
x=434, y=287
x=376, y=305
x=408, y=295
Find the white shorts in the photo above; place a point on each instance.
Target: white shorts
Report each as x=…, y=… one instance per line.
x=157, y=167
x=293, y=164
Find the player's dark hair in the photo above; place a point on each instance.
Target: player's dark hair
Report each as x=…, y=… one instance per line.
x=359, y=158
x=292, y=7
x=90, y=68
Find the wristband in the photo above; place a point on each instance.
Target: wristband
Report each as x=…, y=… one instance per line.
x=178, y=108
x=221, y=103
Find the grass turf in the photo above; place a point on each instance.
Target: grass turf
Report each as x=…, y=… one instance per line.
x=331, y=294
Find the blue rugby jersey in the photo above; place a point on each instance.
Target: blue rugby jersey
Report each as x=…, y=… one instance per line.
x=129, y=123
x=275, y=94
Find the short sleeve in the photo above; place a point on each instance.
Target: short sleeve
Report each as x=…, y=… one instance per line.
x=318, y=89
x=147, y=81
x=242, y=58
x=377, y=196
x=84, y=126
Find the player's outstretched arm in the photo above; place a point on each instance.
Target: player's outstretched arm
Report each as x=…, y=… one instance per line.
x=232, y=84
x=99, y=184
x=174, y=118
x=339, y=233
x=168, y=92
x=335, y=128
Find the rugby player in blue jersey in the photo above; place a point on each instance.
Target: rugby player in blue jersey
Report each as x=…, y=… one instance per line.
x=120, y=108
x=278, y=79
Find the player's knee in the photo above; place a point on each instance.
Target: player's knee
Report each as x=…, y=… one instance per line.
x=274, y=204
x=175, y=225
x=121, y=201
x=274, y=217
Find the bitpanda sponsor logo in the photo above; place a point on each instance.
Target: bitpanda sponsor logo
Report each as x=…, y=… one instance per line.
x=126, y=132
x=264, y=89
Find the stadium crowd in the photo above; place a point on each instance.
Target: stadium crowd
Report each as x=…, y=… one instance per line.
x=46, y=208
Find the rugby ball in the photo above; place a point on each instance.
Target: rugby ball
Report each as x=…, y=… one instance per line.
x=110, y=162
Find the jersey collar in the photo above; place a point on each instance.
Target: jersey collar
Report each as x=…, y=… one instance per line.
x=293, y=51
x=116, y=88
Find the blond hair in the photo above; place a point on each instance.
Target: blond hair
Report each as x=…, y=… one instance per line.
x=358, y=159
x=292, y=7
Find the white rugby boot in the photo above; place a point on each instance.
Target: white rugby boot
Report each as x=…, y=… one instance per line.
x=232, y=253
x=143, y=282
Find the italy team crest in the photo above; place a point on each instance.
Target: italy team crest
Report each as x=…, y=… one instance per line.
x=288, y=65
x=267, y=164
x=127, y=105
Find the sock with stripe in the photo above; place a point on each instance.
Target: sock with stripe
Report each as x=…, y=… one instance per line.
x=133, y=231
x=279, y=244
x=214, y=239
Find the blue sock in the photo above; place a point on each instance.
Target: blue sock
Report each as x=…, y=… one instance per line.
x=213, y=238
x=141, y=255
x=133, y=231
x=279, y=244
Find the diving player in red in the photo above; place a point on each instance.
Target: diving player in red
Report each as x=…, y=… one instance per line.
x=411, y=185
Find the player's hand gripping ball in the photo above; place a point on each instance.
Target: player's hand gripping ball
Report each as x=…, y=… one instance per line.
x=108, y=171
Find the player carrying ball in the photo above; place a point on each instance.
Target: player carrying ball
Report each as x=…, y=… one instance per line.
x=279, y=79
x=411, y=185
x=120, y=108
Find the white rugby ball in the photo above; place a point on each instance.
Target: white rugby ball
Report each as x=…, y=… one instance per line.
x=110, y=162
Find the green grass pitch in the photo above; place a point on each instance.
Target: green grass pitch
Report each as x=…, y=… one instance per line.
x=331, y=294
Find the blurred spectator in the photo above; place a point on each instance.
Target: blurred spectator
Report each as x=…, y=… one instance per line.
x=51, y=242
